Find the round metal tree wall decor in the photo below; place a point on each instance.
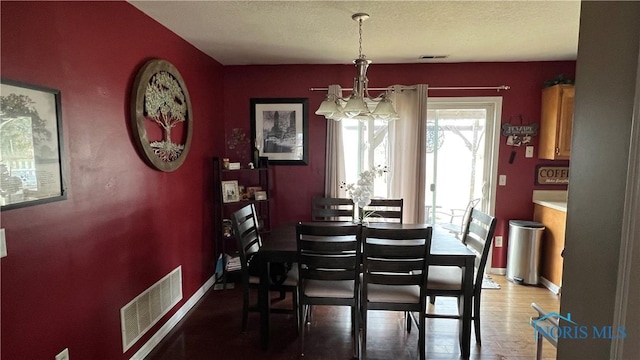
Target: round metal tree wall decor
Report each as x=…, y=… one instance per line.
x=161, y=115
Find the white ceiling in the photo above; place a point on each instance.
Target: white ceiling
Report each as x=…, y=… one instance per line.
x=322, y=32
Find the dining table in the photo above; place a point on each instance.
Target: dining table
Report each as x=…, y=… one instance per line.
x=280, y=245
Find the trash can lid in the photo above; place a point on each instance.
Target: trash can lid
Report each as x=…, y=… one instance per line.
x=526, y=224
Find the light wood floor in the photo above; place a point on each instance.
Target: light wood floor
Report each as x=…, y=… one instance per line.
x=212, y=330
x=505, y=314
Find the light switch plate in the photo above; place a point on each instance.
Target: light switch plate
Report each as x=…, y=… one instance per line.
x=3, y=244
x=528, y=152
x=502, y=180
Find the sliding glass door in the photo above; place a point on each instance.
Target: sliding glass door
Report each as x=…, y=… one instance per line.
x=462, y=155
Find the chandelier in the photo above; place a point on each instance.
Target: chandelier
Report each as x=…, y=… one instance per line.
x=357, y=105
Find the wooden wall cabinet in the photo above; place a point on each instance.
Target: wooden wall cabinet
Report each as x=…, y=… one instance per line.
x=551, y=261
x=224, y=241
x=556, y=122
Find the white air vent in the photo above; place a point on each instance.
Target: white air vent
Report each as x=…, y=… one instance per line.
x=141, y=313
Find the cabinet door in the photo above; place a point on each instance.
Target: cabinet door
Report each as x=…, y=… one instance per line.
x=565, y=123
x=551, y=261
x=556, y=122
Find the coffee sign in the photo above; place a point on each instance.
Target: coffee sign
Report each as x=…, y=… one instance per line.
x=552, y=175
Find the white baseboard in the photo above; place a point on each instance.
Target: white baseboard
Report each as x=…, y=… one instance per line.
x=498, y=271
x=549, y=285
x=173, y=321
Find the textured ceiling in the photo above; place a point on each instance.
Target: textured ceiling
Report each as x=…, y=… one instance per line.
x=322, y=32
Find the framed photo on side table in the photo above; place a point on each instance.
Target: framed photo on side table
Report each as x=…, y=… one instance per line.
x=230, y=191
x=280, y=130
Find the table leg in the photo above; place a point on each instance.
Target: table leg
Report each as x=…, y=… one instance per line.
x=466, y=308
x=264, y=306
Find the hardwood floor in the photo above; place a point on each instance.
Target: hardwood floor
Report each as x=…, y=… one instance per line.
x=212, y=330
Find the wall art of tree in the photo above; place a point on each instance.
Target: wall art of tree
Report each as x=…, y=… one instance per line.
x=165, y=104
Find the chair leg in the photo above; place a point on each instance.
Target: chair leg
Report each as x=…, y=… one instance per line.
x=245, y=309
x=407, y=315
x=308, y=314
x=363, y=340
x=355, y=325
x=283, y=294
x=422, y=336
x=294, y=296
x=432, y=299
x=476, y=318
x=539, y=347
x=301, y=311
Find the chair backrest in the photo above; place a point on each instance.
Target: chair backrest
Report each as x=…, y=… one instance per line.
x=328, y=251
x=466, y=217
x=478, y=238
x=385, y=210
x=331, y=209
x=396, y=257
x=245, y=229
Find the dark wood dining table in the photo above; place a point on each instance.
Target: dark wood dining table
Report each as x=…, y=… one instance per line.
x=280, y=246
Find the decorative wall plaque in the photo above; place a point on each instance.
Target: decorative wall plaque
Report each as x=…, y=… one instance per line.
x=552, y=175
x=161, y=115
x=519, y=134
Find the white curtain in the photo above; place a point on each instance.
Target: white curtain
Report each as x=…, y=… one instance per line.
x=334, y=156
x=407, y=143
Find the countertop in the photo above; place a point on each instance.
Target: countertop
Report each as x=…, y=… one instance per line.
x=554, y=199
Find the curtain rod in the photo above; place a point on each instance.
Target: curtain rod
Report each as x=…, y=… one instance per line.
x=497, y=88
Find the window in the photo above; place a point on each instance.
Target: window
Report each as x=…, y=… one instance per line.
x=366, y=145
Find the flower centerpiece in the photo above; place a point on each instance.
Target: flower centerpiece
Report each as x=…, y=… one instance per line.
x=361, y=192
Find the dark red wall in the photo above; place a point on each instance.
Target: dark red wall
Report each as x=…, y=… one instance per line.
x=73, y=264
x=296, y=185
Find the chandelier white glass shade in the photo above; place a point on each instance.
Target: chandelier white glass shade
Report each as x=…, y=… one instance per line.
x=357, y=105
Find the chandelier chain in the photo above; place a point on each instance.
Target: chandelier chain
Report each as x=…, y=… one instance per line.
x=360, y=36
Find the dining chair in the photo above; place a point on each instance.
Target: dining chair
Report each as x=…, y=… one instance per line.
x=459, y=219
x=395, y=268
x=384, y=210
x=331, y=209
x=329, y=269
x=245, y=229
x=447, y=280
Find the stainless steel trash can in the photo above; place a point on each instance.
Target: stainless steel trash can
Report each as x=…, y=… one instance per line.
x=523, y=254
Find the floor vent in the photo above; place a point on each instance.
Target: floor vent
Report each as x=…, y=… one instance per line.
x=141, y=313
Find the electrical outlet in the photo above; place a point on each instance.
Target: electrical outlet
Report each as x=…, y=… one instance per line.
x=528, y=152
x=502, y=180
x=64, y=355
x=498, y=241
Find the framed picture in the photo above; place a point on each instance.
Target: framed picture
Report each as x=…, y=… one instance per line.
x=251, y=191
x=261, y=195
x=31, y=163
x=280, y=130
x=230, y=191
